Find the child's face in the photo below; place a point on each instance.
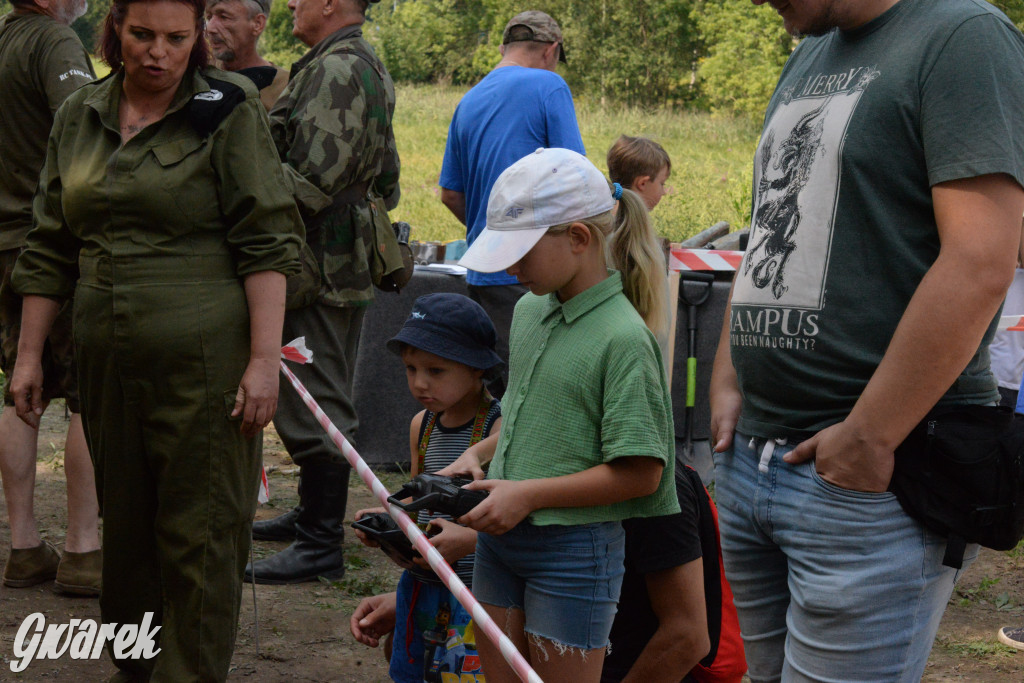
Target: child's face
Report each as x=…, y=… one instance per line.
x=547, y=266
x=653, y=189
x=439, y=383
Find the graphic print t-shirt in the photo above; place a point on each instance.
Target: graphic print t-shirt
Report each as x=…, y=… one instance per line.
x=861, y=125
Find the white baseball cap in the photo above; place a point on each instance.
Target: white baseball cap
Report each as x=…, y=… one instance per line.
x=547, y=188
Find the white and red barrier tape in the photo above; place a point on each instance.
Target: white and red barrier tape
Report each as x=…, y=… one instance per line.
x=704, y=259
x=296, y=351
x=264, y=494
x=1011, y=323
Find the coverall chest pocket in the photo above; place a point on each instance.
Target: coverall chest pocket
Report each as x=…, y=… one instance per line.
x=188, y=184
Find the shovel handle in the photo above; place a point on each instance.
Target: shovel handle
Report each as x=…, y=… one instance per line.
x=691, y=382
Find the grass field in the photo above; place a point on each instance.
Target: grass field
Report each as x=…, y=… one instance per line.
x=711, y=161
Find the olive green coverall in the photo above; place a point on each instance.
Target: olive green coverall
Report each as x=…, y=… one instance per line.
x=158, y=234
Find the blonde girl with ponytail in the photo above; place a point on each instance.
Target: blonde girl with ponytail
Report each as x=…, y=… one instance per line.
x=587, y=439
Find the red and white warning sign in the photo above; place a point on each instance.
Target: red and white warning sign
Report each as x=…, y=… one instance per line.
x=704, y=259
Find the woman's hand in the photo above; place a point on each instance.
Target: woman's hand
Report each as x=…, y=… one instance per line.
x=27, y=390
x=507, y=504
x=257, y=392
x=256, y=400
x=453, y=542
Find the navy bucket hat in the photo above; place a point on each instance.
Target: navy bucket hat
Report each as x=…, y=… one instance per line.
x=451, y=326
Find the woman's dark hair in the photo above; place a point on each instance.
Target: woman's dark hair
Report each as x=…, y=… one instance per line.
x=110, y=43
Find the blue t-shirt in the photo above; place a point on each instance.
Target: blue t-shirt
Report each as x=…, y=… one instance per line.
x=509, y=114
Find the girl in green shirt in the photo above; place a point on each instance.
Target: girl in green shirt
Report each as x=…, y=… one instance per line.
x=587, y=435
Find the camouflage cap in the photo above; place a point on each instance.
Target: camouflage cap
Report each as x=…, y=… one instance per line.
x=541, y=28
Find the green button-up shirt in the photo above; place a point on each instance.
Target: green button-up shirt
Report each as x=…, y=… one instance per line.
x=332, y=127
x=586, y=386
x=41, y=62
x=167, y=192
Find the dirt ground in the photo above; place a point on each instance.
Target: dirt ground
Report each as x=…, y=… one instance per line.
x=303, y=629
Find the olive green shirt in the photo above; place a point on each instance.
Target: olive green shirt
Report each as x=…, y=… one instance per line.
x=332, y=127
x=41, y=62
x=167, y=192
x=586, y=386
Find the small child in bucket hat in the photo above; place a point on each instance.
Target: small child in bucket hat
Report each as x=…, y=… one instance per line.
x=451, y=326
x=447, y=346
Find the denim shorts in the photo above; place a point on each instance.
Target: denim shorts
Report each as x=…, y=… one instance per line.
x=566, y=579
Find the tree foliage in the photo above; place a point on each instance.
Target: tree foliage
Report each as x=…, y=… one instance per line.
x=643, y=53
x=746, y=48
x=277, y=43
x=624, y=52
x=427, y=40
x=718, y=55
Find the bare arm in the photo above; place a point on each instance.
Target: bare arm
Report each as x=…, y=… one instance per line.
x=677, y=598
x=37, y=316
x=724, y=391
x=414, y=442
x=456, y=203
x=979, y=222
x=1020, y=247
x=476, y=456
x=256, y=400
x=509, y=502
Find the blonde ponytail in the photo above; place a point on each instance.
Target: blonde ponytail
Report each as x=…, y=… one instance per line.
x=636, y=252
x=628, y=244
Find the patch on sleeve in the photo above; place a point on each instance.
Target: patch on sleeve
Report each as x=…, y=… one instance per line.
x=208, y=109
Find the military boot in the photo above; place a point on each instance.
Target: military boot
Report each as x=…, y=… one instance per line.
x=319, y=531
x=280, y=528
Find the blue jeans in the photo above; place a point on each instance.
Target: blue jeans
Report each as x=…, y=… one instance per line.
x=566, y=579
x=830, y=584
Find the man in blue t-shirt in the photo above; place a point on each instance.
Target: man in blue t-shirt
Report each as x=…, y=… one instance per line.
x=520, y=106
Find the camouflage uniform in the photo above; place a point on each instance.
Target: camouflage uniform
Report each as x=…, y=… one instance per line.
x=42, y=61
x=332, y=127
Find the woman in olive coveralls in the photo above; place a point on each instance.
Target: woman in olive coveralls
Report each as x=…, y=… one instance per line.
x=162, y=209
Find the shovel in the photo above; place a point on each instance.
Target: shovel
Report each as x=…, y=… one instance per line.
x=702, y=282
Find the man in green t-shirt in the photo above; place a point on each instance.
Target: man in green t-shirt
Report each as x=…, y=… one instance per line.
x=42, y=61
x=888, y=192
